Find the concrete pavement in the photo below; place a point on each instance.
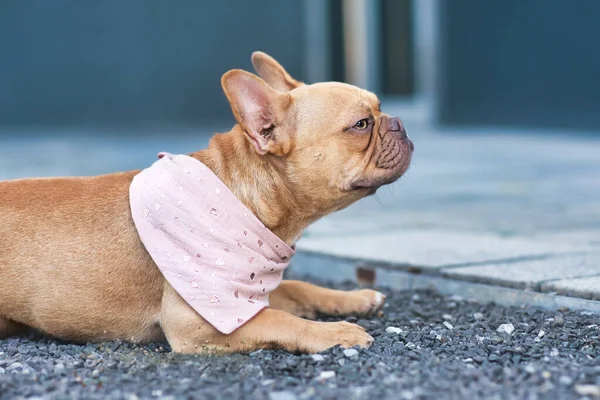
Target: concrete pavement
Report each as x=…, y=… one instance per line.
x=499, y=208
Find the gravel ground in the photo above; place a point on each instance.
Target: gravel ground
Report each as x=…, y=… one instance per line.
x=438, y=347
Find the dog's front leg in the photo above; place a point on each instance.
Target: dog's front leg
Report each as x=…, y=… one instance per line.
x=307, y=300
x=188, y=332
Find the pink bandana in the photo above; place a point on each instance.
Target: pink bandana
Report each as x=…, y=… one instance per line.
x=213, y=251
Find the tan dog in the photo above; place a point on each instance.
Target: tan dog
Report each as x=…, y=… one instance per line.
x=73, y=266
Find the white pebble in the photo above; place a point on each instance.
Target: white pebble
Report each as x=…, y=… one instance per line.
x=565, y=380
x=411, y=345
x=478, y=315
x=506, y=328
x=448, y=325
x=327, y=375
x=588, y=390
x=554, y=352
x=350, y=353
x=393, y=329
x=447, y=316
x=317, y=357
x=541, y=333
x=546, y=374
x=530, y=368
x=282, y=396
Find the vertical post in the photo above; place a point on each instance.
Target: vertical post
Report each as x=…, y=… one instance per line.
x=426, y=45
x=362, y=42
x=317, y=48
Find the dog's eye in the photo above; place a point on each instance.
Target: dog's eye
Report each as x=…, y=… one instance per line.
x=362, y=124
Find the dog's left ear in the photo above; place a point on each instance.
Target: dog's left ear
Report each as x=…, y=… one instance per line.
x=260, y=110
x=273, y=73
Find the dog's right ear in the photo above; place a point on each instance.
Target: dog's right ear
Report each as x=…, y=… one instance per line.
x=273, y=73
x=259, y=109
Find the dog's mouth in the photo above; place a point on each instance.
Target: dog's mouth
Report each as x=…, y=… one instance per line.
x=391, y=163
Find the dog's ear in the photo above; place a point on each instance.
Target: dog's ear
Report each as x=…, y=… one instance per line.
x=259, y=109
x=273, y=73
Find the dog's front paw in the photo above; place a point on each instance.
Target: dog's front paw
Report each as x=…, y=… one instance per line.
x=344, y=334
x=368, y=301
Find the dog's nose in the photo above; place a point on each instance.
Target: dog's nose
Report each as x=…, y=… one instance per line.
x=395, y=124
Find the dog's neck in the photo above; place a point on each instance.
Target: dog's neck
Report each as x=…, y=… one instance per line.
x=258, y=183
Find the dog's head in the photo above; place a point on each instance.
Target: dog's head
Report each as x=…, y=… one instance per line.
x=330, y=140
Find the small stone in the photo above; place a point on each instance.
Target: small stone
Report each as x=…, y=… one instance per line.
x=393, y=330
x=14, y=366
x=282, y=396
x=554, y=352
x=317, y=357
x=478, y=315
x=530, y=369
x=565, y=380
x=506, y=328
x=349, y=353
x=546, y=374
x=255, y=353
x=588, y=390
x=447, y=316
x=95, y=373
x=541, y=333
x=411, y=346
x=2, y=371
x=327, y=375
x=448, y=325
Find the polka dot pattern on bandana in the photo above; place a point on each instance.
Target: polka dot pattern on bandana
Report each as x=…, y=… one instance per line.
x=210, y=248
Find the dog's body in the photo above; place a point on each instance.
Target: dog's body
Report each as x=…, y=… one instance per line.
x=72, y=264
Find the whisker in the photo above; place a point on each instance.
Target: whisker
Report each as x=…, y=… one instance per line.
x=378, y=200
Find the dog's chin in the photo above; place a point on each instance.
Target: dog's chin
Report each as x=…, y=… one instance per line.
x=370, y=184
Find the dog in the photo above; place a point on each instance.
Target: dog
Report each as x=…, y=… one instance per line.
x=73, y=265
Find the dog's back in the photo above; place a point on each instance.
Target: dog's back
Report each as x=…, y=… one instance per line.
x=67, y=239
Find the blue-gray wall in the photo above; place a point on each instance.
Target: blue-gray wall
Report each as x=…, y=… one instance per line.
x=130, y=61
x=521, y=62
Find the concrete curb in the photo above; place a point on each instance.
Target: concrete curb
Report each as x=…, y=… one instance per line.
x=364, y=273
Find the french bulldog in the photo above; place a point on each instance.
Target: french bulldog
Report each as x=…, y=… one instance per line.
x=73, y=266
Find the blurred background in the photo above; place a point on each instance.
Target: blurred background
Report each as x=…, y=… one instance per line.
x=515, y=62
x=501, y=97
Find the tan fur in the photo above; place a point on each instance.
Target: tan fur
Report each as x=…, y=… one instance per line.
x=72, y=265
